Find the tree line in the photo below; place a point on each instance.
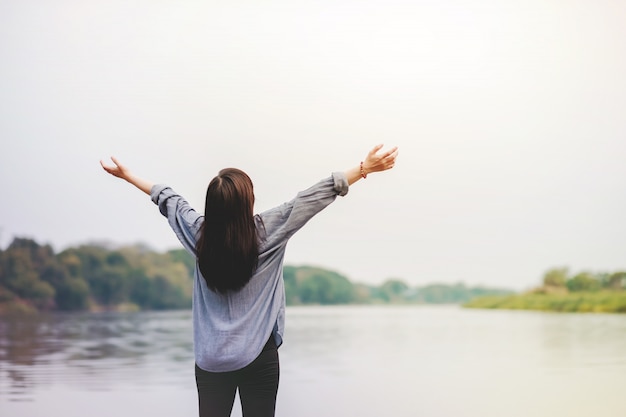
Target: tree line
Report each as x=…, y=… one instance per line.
x=560, y=280
x=92, y=277
x=98, y=278
x=312, y=285
x=602, y=292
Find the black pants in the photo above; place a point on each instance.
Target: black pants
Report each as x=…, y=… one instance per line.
x=257, y=383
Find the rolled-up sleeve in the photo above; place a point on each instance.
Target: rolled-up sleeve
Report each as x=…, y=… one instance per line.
x=283, y=221
x=182, y=218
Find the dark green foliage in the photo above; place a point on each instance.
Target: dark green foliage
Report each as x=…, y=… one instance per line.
x=392, y=290
x=156, y=293
x=21, y=265
x=291, y=287
x=583, y=282
x=109, y=285
x=310, y=285
x=184, y=257
x=72, y=295
x=33, y=277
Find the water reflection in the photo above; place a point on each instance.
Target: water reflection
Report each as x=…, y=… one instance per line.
x=444, y=361
x=93, y=351
x=580, y=341
x=339, y=361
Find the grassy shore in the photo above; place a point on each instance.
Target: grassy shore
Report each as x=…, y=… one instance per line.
x=575, y=302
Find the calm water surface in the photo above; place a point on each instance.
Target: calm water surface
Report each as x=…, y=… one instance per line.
x=336, y=361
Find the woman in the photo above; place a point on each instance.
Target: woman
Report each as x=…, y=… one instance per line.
x=238, y=294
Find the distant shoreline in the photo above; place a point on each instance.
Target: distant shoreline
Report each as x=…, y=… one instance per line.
x=33, y=278
x=579, y=302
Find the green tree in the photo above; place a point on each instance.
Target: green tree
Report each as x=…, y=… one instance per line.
x=393, y=290
x=156, y=293
x=583, y=281
x=19, y=274
x=292, y=295
x=108, y=286
x=72, y=295
x=183, y=257
x=617, y=280
x=72, y=292
x=39, y=255
x=556, y=277
x=309, y=285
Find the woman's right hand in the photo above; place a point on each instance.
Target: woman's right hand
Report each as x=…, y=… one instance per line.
x=374, y=162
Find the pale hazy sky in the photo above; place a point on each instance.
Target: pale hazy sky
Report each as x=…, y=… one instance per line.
x=509, y=115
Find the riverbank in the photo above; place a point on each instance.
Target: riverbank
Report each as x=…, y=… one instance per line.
x=578, y=302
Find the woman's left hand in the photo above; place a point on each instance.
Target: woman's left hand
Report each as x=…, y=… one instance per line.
x=118, y=170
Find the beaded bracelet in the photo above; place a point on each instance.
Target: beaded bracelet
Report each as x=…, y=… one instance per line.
x=363, y=174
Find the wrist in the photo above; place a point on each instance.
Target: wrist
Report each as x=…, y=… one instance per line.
x=363, y=170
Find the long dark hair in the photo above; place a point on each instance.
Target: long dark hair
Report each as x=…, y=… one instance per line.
x=228, y=248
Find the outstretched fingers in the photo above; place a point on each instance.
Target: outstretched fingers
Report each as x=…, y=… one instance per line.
x=118, y=170
x=380, y=162
x=375, y=150
x=391, y=153
x=116, y=162
x=105, y=167
x=389, y=160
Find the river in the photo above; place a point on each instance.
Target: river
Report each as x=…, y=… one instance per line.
x=335, y=362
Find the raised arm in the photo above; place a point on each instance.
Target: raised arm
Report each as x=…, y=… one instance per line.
x=281, y=222
x=120, y=171
x=374, y=162
x=183, y=219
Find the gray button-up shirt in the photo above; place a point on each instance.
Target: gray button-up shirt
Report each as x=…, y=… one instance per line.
x=231, y=329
